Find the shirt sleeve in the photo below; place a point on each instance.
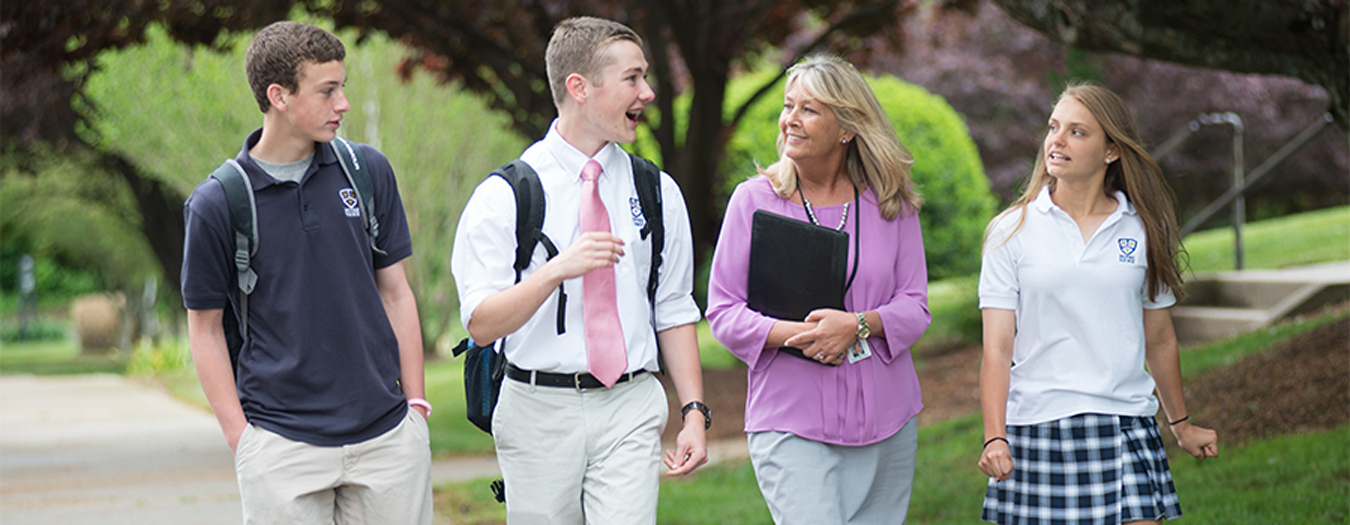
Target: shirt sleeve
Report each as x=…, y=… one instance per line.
x=674, y=305
x=999, y=287
x=208, y=274
x=905, y=315
x=394, y=238
x=482, y=259
x=742, y=330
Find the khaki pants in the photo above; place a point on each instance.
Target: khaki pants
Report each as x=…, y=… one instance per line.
x=386, y=479
x=572, y=457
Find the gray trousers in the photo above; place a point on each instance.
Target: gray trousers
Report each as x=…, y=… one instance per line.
x=810, y=482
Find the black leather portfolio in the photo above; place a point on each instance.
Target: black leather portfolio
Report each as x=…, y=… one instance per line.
x=795, y=267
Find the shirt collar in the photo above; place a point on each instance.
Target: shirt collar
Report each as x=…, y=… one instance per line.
x=1043, y=203
x=571, y=160
x=259, y=179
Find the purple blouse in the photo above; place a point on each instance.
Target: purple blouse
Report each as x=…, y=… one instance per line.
x=851, y=404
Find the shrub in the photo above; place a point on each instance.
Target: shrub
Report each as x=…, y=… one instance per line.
x=947, y=168
x=38, y=330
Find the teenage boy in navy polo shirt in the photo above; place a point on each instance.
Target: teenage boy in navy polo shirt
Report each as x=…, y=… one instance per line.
x=577, y=432
x=325, y=414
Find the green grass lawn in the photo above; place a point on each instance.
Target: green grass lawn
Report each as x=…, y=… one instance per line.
x=57, y=357
x=1295, y=240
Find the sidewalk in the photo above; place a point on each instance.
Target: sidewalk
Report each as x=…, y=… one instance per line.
x=101, y=449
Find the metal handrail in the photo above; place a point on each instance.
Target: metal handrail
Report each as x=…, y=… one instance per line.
x=1241, y=182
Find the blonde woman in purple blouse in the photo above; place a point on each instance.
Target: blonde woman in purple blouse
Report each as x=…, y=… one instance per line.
x=831, y=444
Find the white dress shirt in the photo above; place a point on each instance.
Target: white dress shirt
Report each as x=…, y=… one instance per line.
x=1079, y=346
x=485, y=243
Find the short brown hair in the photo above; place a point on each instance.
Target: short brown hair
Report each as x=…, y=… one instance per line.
x=279, y=51
x=575, y=48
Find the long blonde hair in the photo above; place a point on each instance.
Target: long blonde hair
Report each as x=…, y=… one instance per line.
x=875, y=157
x=1135, y=174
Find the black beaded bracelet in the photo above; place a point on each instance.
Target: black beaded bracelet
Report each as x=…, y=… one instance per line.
x=1178, y=422
x=995, y=438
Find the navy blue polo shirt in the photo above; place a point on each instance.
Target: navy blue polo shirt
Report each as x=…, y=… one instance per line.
x=321, y=361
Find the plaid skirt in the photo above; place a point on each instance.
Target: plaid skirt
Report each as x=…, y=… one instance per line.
x=1088, y=468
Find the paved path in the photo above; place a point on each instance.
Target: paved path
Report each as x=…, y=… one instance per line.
x=102, y=449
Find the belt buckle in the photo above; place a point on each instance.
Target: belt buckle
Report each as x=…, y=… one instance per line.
x=576, y=381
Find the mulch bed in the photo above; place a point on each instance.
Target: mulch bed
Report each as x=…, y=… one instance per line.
x=1300, y=385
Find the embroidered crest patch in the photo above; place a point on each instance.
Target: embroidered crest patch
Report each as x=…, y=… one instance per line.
x=635, y=208
x=349, y=200
x=1127, y=246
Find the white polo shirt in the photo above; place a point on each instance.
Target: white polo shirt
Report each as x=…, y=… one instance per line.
x=1079, y=346
x=485, y=243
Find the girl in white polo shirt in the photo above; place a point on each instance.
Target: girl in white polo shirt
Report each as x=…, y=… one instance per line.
x=1075, y=285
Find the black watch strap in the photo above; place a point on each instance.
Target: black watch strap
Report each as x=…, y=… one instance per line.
x=707, y=412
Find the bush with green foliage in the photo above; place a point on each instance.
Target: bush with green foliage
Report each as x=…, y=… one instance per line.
x=947, y=169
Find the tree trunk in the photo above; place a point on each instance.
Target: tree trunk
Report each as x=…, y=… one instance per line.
x=161, y=210
x=696, y=163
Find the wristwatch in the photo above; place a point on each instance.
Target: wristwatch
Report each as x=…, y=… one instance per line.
x=864, y=331
x=707, y=412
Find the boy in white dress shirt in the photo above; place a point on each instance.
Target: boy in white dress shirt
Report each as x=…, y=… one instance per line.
x=576, y=447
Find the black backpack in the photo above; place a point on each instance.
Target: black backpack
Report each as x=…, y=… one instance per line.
x=244, y=223
x=483, y=367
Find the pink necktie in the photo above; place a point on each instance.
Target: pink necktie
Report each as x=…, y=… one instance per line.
x=600, y=302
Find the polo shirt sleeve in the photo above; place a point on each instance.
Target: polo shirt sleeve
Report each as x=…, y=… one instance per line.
x=1165, y=299
x=483, y=255
x=999, y=285
x=208, y=274
x=394, y=239
x=674, y=305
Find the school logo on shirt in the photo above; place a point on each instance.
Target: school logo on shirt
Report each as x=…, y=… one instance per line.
x=635, y=208
x=1127, y=246
x=349, y=200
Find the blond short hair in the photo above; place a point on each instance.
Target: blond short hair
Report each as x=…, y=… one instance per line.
x=575, y=48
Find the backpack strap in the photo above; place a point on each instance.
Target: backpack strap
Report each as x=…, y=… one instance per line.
x=647, y=179
x=353, y=161
x=529, y=195
x=244, y=223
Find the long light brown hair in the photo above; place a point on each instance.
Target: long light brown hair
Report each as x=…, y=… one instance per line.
x=1135, y=174
x=875, y=157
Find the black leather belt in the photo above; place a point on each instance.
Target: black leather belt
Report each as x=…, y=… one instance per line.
x=579, y=381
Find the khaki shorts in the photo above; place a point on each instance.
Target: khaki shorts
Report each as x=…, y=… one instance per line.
x=386, y=479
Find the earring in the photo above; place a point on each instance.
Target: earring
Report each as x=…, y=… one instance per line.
x=843, y=141
x=1109, y=159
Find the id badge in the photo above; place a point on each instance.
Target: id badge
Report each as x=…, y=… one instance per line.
x=859, y=351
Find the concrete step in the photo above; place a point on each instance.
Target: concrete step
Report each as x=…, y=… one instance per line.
x=1224, y=304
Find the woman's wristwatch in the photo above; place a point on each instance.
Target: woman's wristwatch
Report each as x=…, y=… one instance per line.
x=707, y=412
x=864, y=330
